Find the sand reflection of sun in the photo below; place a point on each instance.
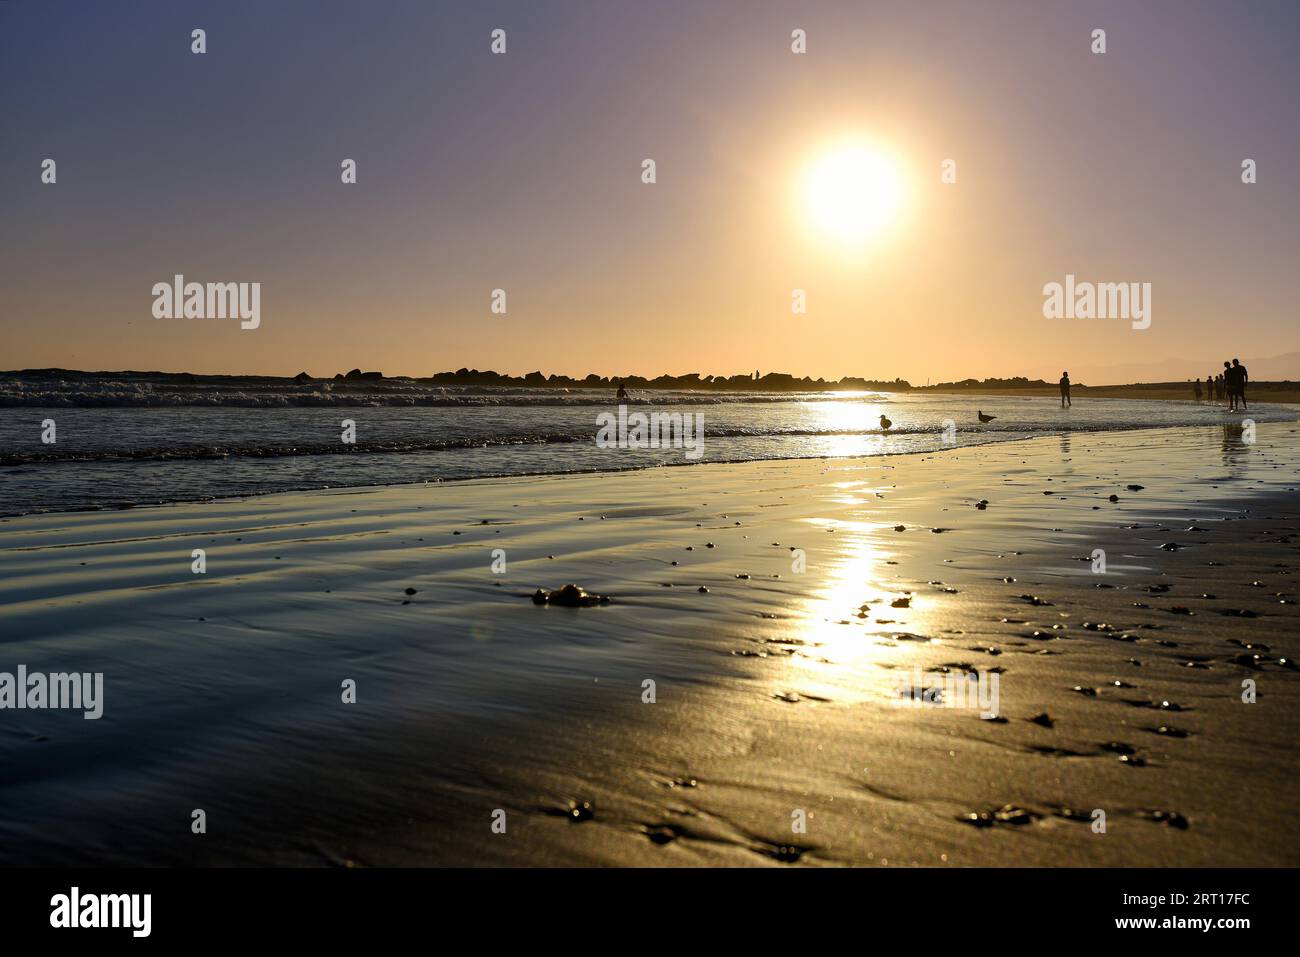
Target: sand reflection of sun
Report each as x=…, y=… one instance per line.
x=851, y=615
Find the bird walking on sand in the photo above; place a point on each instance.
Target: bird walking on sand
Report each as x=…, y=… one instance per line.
x=885, y=423
x=985, y=418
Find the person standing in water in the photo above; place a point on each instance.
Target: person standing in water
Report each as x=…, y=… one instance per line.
x=1196, y=389
x=1065, y=389
x=1230, y=386
x=1242, y=378
x=1209, y=387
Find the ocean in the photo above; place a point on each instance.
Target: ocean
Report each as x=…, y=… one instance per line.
x=141, y=439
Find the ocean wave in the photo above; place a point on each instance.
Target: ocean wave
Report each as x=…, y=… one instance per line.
x=405, y=447
x=18, y=392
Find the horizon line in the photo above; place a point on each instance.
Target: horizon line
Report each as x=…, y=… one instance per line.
x=600, y=381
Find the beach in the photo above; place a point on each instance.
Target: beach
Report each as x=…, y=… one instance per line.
x=781, y=609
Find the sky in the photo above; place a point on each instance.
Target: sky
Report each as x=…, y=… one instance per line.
x=523, y=171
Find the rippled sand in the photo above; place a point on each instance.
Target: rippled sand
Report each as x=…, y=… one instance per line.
x=776, y=690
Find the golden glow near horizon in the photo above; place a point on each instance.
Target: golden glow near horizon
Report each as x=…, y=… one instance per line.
x=853, y=192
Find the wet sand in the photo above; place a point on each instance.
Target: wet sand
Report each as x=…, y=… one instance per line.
x=777, y=691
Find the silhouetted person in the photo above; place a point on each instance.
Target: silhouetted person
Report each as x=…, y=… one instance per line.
x=1065, y=389
x=1230, y=385
x=1209, y=387
x=1218, y=386
x=622, y=393
x=1196, y=389
x=1242, y=378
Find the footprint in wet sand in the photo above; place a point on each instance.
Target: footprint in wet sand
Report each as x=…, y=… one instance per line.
x=662, y=833
x=576, y=811
x=1006, y=814
x=1166, y=818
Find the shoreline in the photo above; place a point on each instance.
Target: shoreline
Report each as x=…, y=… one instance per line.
x=240, y=496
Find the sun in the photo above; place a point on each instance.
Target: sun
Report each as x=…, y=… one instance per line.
x=852, y=192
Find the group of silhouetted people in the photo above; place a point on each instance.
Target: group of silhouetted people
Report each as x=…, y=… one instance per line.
x=1229, y=386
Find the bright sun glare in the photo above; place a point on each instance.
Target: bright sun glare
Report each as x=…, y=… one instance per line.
x=853, y=192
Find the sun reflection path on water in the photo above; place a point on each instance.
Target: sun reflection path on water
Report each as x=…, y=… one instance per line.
x=849, y=428
x=861, y=416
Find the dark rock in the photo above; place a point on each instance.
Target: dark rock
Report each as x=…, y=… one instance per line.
x=570, y=596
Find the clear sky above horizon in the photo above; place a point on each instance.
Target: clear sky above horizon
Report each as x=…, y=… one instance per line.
x=522, y=171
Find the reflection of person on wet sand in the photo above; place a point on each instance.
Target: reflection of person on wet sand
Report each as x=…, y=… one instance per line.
x=1065, y=389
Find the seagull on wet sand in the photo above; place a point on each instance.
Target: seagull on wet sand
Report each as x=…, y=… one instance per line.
x=985, y=418
x=885, y=423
